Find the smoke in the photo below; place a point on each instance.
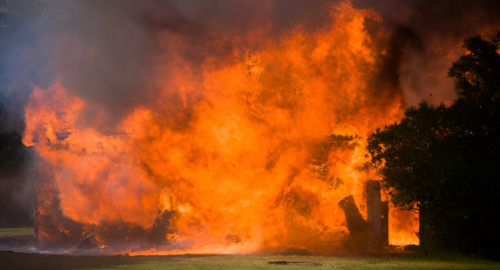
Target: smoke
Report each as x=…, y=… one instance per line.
x=105, y=52
x=426, y=38
x=16, y=179
x=16, y=166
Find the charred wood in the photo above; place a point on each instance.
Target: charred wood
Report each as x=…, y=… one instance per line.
x=164, y=229
x=356, y=225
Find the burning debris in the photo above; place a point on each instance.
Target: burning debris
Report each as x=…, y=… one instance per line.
x=164, y=227
x=356, y=225
x=373, y=232
x=88, y=242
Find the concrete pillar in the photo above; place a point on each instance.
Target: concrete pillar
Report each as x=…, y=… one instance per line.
x=385, y=223
x=373, y=205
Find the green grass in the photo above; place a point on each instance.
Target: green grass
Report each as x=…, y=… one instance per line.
x=10, y=260
x=16, y=231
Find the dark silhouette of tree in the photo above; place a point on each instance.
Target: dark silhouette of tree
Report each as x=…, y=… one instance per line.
x=445, y=162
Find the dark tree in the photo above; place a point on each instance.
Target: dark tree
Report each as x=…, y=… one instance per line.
x=445, y=161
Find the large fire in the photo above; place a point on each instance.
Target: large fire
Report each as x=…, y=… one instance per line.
x=248, y=151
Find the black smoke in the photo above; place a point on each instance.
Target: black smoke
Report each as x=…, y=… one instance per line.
x=426, y=37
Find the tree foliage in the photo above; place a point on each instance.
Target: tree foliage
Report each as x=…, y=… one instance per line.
x=445, y=161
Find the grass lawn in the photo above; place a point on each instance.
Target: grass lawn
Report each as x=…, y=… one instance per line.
x=11, y=260
x=16, y=231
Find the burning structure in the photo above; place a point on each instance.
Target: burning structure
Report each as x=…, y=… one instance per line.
x=251, y=151
x=220, y=139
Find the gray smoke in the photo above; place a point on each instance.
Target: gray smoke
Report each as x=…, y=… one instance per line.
x=104, y=51
x=121, y=37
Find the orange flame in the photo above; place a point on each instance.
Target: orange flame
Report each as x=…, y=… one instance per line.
x=253, y=154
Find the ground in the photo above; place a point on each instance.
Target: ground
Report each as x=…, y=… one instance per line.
x=16, y=260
